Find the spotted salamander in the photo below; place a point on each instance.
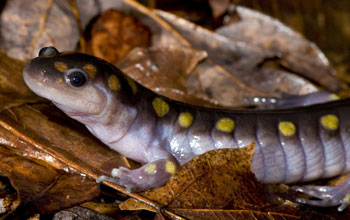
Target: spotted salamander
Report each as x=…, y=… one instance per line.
x=292, y=145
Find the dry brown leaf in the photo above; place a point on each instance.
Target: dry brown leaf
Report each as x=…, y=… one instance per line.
x=208, y=214
x=217, y=182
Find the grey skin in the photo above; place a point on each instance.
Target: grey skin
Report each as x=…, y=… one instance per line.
x=125, y=119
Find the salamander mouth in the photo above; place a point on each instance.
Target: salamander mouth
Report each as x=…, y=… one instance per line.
x=69, y=111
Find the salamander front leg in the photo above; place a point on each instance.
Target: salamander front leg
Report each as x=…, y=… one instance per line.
x=150, y=175
x=327, y=195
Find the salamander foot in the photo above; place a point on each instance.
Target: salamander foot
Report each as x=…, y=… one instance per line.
x=326, y=195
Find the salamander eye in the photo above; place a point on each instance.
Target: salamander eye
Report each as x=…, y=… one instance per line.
x=76, y=77
x=48, y=51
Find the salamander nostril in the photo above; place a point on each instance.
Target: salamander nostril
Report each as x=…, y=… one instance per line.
x=48, y=51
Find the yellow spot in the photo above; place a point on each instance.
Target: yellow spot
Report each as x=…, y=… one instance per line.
x=114, y=83
x=90, y=70
x=170, y=167
x=347, y=198
x=225, y=125
x=160, y=107
x=287, y=128
x=330, y=122
x=185, y=119
x=334, y=96
x=60, y=66
x=132, y=84
x=59, y=80
x=150, y=168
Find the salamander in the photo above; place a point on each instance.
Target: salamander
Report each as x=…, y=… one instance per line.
x=292, y=145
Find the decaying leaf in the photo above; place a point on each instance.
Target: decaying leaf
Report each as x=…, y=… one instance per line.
x=167, y=44
x=24, y=34
x=238, y=68
x=295, y=52
x=218, y=183
x=158, y=72
x=219, y=7
x=59, y=162
x=80, y=213
x=65, y=188
x=115, y=34
x=245, y=60
x=13, y=91
x=236, y=62
x=203, y=214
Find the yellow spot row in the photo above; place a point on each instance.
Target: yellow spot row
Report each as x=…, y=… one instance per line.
x=330, y=122
x=287, y=128
x=169, y=167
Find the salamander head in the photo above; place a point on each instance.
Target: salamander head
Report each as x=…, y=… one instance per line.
x=75, y=82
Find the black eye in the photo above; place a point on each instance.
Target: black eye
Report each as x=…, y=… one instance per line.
x=48, y=51
x=76, y=77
